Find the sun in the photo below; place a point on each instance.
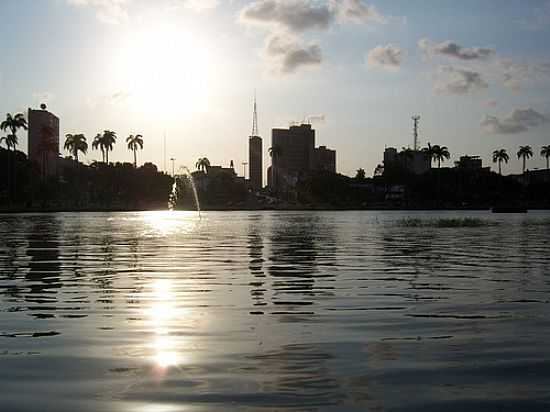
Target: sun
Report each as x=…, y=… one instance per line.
x=167, y=71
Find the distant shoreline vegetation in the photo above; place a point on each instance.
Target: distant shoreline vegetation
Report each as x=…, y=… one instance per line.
x=99, y=186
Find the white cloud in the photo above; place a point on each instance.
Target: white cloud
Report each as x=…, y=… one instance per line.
x=451, y=80
x=356, y=11
x=302, y=15
x=454, y=50
x=385, y=57
x=520, y=120
x=108, y=11
x=286, y=19
x=291, y=15
x=286, y=53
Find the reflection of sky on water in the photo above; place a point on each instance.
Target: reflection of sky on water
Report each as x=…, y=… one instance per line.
x=161, y=311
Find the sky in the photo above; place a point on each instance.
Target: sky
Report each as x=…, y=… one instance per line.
x=477, y=72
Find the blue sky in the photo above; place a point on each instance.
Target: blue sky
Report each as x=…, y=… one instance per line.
x=478, y=72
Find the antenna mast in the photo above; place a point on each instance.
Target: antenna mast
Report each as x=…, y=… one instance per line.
x=415, y=119
x=255, y=118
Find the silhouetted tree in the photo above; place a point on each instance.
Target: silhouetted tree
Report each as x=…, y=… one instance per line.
x=524, y=153
x=545, y=152
x=9, y=140
x=96, y=144
x=440, y=153
x=379, y=170
x=203, y=164
x=275, y=151
x=13, y=123
x=135, y=143
x=429, y=151
x=360, y=175
x=75, y=143
x=500, y=156
x=108, y=139
x=105, y=143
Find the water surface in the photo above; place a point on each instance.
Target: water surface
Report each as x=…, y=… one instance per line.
x=275, y=311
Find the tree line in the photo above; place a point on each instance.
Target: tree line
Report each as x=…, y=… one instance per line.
x=439, y=154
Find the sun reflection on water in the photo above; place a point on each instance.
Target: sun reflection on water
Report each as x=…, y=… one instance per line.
x=162, y=313
x=170, y=222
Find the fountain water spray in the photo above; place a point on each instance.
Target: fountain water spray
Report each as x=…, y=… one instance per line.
x=174, y=195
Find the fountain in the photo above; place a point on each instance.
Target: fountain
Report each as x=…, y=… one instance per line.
x=172, y=202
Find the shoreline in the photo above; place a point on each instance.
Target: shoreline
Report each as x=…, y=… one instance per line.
x=241, y=209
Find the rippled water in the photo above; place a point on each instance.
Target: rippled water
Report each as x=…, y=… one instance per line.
x=274, y=311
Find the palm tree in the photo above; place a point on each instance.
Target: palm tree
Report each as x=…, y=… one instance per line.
x=108, y=140
x=13, y=123
x=96, y=144
x=360, y=175
x=10, y=141
x=440, y=153
x=135, y=143
x=75, y=143
x=429, y=151
x=545, y=152
x=500, y=156
x=203, y=164
x=525, y=152
x=105, y=143
x=275, y=151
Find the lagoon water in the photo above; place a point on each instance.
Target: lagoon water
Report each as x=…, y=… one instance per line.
x=275, y=311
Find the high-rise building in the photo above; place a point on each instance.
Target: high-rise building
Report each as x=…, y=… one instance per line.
x=294, y=148
x=325, y=159
x=294, y=156
x=43, y=140
x=255, y=154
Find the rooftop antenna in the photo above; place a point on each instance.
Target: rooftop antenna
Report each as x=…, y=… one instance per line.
x=415, y=119
x=255, y=118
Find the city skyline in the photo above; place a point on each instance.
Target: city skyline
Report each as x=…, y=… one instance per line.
x=357, y=70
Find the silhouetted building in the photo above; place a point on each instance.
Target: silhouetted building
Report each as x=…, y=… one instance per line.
x=325, y=159
x=412, y=161
x=255, y=159
x=294, y=156
x=469, y=163
x=43, y=140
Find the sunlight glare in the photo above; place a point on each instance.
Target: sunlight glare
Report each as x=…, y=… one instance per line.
x=168, y=70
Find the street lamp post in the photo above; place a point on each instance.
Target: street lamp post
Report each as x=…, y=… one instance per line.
x=173, y=172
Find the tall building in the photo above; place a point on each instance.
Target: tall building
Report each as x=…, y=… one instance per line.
x=255, y=154
x=294, y=156
x=43, y=140
x=414, y=161
x=325, y=159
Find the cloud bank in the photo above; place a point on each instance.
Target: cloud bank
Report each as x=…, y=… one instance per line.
x=287, y=20
x=452, y=80
x=520, y=120
x=454, y=50
x=385, y=57
x=287, y=53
